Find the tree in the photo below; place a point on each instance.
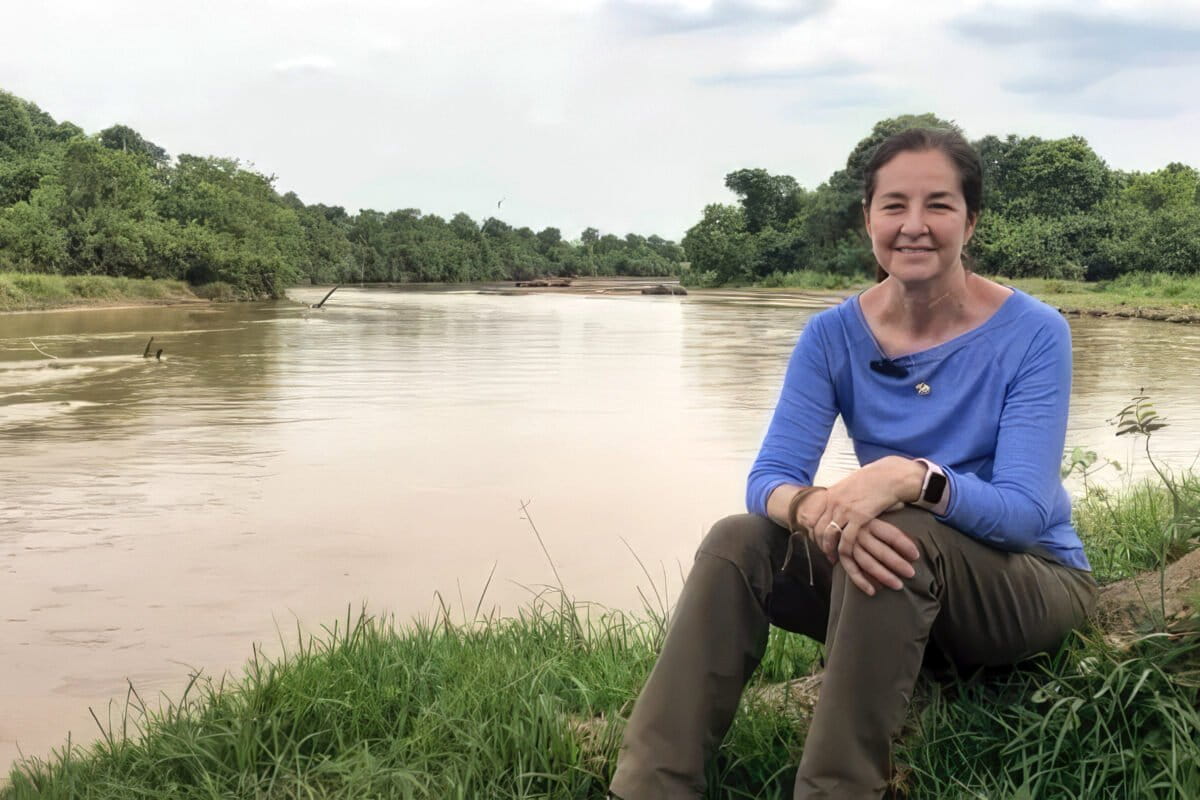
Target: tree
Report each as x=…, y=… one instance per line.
x=464, y=227
x=719, y=247
x=767, y=200
x=258, y=239
x=1174, y=186
x=127, y=140
x=17, y=136
x=1059, y=176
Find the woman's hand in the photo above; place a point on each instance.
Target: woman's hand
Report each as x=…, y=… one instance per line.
x=881, y=554
x=845, y=531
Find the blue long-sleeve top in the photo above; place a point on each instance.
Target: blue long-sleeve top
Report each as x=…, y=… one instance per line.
x=994, y=419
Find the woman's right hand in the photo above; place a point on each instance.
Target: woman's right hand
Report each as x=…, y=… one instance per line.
x=882, y=553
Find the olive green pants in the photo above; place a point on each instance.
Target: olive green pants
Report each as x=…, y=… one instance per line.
x=971, y=604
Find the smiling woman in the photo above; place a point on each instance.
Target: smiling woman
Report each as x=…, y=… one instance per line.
x=951, y=545
x=929, y=203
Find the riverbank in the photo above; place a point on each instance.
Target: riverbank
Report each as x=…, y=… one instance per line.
x=24, y=291
x=1160, y=297
x=532, y=706
x=1151, y=296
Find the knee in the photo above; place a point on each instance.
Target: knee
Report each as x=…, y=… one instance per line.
x=754, y=544
x=921, y=526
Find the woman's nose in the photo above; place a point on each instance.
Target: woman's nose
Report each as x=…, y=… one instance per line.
x=914, y=223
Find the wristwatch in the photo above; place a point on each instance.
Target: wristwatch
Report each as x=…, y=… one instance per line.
x=933, y=487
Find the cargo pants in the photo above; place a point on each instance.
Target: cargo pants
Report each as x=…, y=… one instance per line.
x=971, y=604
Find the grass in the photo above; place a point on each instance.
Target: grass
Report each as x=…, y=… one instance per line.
x=817, y=281
x=437, y=710
x=26, y=291
x=1132, y=531
x=530, y=707
x=1157, y=294
x=1152, y=290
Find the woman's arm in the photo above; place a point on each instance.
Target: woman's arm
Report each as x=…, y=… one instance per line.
x=1013, y=507
x=800, y=426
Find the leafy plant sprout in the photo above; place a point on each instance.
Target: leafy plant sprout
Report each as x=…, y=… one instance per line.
x=1139, y=417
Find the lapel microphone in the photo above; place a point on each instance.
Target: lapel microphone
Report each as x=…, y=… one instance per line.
x=885, y=366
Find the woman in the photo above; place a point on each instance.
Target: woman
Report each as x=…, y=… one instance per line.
x=952, y=542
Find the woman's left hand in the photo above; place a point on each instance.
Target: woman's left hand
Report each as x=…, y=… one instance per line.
x=857, y=499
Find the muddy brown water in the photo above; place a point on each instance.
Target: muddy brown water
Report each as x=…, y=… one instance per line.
x=281, y=465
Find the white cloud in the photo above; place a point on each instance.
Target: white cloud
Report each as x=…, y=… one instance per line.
x=305, y=64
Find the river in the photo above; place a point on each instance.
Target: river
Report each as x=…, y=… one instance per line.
x=280, y=465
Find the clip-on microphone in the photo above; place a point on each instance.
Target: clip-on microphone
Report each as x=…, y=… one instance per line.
x=885, y=366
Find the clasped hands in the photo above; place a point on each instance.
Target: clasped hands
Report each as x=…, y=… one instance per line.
x=845, y=524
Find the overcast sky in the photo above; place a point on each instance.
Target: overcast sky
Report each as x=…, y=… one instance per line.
x=621, y=114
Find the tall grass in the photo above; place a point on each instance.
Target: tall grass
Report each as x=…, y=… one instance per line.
x=1134, y=288
x=532, y=706
x=23, y=291
x=1129, y=530
x=522, y=707
x=1092, y=722
x=808, y=279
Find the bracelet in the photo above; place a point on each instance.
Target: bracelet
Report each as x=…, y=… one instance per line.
x=796, y=527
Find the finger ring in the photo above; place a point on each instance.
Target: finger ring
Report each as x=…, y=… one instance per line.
x=833, y=524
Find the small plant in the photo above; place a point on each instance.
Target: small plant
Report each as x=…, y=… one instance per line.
x=1139, y=418
x=1085, y=463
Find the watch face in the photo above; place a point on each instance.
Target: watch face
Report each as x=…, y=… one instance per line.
x=935, y=489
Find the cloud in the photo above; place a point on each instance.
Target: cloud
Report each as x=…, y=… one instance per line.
x=305, y=64
x=1080, y=49
x=672, y=18
x=772, y=78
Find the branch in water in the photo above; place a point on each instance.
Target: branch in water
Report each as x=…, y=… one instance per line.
x=40, y=350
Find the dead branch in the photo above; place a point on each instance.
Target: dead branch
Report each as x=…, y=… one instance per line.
x=40, y=350
x=326, y=297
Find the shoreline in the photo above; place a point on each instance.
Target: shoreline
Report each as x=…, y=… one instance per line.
x=115, y=305
x=1158, y=309
x=32, y=291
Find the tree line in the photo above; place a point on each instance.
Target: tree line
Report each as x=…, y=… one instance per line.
x=115, y=203
x=1052, y=208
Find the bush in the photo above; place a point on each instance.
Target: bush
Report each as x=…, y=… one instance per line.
x=217, y=291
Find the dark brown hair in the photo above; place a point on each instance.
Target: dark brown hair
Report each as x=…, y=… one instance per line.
x=919, y=140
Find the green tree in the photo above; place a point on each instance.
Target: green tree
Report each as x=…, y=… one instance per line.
x=17, y=135
x=1059, y=176
x=257, y=239
x=127, y=140
x=767, y=200
x=1174, y=186
x=719, y=247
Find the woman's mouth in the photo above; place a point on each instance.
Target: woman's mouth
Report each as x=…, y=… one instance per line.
x=914, y=249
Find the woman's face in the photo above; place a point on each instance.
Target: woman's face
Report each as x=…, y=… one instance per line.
x=917, y=219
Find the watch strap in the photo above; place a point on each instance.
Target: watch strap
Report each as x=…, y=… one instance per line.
x=933, y=487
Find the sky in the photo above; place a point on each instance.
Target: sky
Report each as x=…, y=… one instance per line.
x=624, y=115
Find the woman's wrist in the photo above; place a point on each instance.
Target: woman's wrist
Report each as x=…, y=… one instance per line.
x=910, y=480
x=796, y=519
x=779, y=505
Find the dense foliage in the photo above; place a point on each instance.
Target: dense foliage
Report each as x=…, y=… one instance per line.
x=117, y=204
x=1052, y=209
